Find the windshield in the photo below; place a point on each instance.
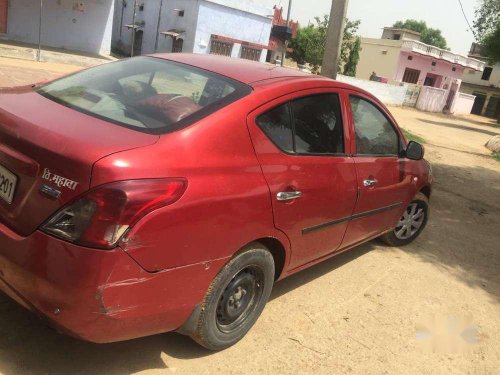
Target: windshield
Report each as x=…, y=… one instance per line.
x=145, y=93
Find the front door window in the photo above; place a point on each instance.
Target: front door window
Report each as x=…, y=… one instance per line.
x=375, y=136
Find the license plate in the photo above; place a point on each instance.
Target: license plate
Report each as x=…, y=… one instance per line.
x=8, y=181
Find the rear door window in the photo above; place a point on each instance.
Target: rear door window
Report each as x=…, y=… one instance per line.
x=311, y=125
x=147, y=94
x=318, y=125
x=277, y=125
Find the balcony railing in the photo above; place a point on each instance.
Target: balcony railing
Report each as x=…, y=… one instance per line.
x=438, y=53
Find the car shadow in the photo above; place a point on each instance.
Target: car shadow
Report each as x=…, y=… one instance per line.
x=462, y=235
x=461, y=127
x=28, y=346
x=310, y=274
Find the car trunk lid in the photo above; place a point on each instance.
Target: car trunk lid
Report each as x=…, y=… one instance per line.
x=47, y=151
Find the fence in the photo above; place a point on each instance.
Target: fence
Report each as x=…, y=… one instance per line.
x=431, y=99
x=386, y=93
x=463, y=104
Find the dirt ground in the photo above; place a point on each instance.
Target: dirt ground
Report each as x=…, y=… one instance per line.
x=374, y=310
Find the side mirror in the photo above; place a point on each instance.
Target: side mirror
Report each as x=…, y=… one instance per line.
x=414, y=151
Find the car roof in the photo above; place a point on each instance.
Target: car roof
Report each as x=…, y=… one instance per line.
x=242, y=70
x=257, y=74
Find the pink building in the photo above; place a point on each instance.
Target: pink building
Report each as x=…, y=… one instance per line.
x=399, y=57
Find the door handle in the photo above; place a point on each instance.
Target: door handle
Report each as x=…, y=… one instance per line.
x=288, y=195
x=370, y=182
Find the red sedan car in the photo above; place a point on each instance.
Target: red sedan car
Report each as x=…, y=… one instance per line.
x=170, y=192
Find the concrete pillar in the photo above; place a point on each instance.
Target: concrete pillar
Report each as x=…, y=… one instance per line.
x=486, y=102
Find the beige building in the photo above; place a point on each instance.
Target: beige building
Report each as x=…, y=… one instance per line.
x=379, y=56
x=400, y=34
x=485, y=86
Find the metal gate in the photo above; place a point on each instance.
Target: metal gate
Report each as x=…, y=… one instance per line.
x=250, y=53
x=412, y=94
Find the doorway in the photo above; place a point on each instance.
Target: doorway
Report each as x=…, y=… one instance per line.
x=477, y=108
x=493, y=107
x=138, y=42
x=177, y=45
x=3, y=15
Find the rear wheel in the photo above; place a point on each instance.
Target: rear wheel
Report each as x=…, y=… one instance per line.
x=236, y=298
x=411, y=224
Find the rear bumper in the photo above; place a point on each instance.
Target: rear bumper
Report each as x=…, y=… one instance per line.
x=99, y=296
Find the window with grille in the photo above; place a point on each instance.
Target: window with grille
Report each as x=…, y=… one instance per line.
x=250, y=53
x=219, y=47
x=411, y=75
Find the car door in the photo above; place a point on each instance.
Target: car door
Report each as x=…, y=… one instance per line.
x=383, y=184
x=300, y=142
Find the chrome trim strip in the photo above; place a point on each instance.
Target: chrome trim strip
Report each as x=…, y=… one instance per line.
x=353, y=217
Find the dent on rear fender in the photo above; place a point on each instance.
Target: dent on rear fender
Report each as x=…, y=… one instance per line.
x=143, y=293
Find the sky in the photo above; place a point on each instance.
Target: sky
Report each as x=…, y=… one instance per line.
x=375, y=14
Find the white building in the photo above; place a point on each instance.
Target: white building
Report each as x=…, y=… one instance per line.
x=227, y=27
x=485, y=86
x=84, y=25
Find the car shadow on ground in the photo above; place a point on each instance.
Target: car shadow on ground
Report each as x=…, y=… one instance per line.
x=461, y=127
x=463, y=234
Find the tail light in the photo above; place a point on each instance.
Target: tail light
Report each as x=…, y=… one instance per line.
x=102, y=216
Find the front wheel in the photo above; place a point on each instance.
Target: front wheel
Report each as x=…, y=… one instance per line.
x=235, y=298
x=411, y=224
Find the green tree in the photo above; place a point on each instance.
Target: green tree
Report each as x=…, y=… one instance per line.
x=487, y=18
x=309, y=45
x=353, y=59
x=490, y=45
x=487, y=30
x=428, y=35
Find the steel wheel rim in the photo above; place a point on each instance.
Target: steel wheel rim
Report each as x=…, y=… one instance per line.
x=410, y=223
x=240, y=298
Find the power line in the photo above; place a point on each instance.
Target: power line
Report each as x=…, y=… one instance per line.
x=466, y=19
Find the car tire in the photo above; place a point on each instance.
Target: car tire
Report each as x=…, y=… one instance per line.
x=411, y=224
x=236, y=298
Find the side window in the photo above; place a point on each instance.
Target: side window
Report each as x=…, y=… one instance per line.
x=374, y=133
x=277, y=126
x=318, y=125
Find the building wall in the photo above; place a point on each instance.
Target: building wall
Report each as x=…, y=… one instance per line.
x=64, y=24
x=474, y=77
x=169, y=19
x=487, y=92
x=235, y=19
x=424, y=64
x=233, y=23
x=379, y=56
x=386, y=93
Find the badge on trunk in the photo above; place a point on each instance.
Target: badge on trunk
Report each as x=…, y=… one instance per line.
x=51, y=192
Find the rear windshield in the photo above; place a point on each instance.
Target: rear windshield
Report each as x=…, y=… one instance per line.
x=144, y=93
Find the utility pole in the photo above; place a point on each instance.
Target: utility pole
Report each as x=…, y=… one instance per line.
x=39, y=54
x=158, y=26
x=334, y=38
x=287, y=23
x=133, y=29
